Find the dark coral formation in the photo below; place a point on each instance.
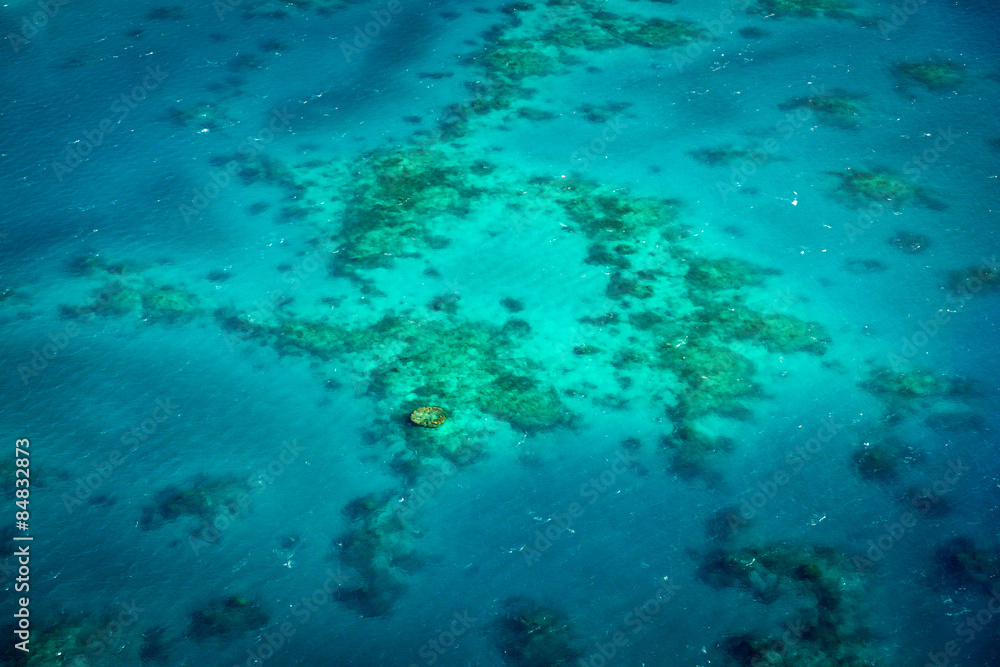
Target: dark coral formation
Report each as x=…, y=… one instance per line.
x=378, y=547
x=934, y=75
x=530, y=634
x=201, y=501
x=915, y=384
x=694, y=452
x=974, y=279
x=231, y=616
x=861, y=188
x=128, y=289
x=823, y=587
x=428, y=362
x=839, y=108
x=964, y=563
x=882, y=461
x=393, y=197
x=735, y=156
x=909, y=242
x=74, y=640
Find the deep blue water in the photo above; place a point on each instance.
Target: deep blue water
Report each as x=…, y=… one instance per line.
x=148, y=404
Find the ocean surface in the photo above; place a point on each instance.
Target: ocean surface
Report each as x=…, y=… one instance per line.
x=706, y=295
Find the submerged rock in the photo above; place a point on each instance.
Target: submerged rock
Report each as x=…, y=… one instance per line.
x=909, y=242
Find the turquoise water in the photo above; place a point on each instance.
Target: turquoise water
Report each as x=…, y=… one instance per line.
x=717, y=363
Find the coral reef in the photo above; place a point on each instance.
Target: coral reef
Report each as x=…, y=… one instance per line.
x=908, y=385
x=840, y=109
x=424, y=363
x=711, y=275
x=734, y=156
x=377, y=547
x=610, y=216
x=714, y=377
x=393, y=197
x=694, y=452
x=127, y=288
x=881, y=461
x=934, y=75
x=688, y=317
x=202, y=500
x=75, y=640
x=973, y=279
x=819, y=646
x=529, y=634
x=407, y=201
x=204, y=116
x=656, y=33
x=590, y=25
x=228, y=617
x=909, y=242
x=966, y=564
x=861, y=188
x=825, y=586
x=775, y=331
x=516, y=59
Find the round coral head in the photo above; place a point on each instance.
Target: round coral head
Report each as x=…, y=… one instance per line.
x=428, y=416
